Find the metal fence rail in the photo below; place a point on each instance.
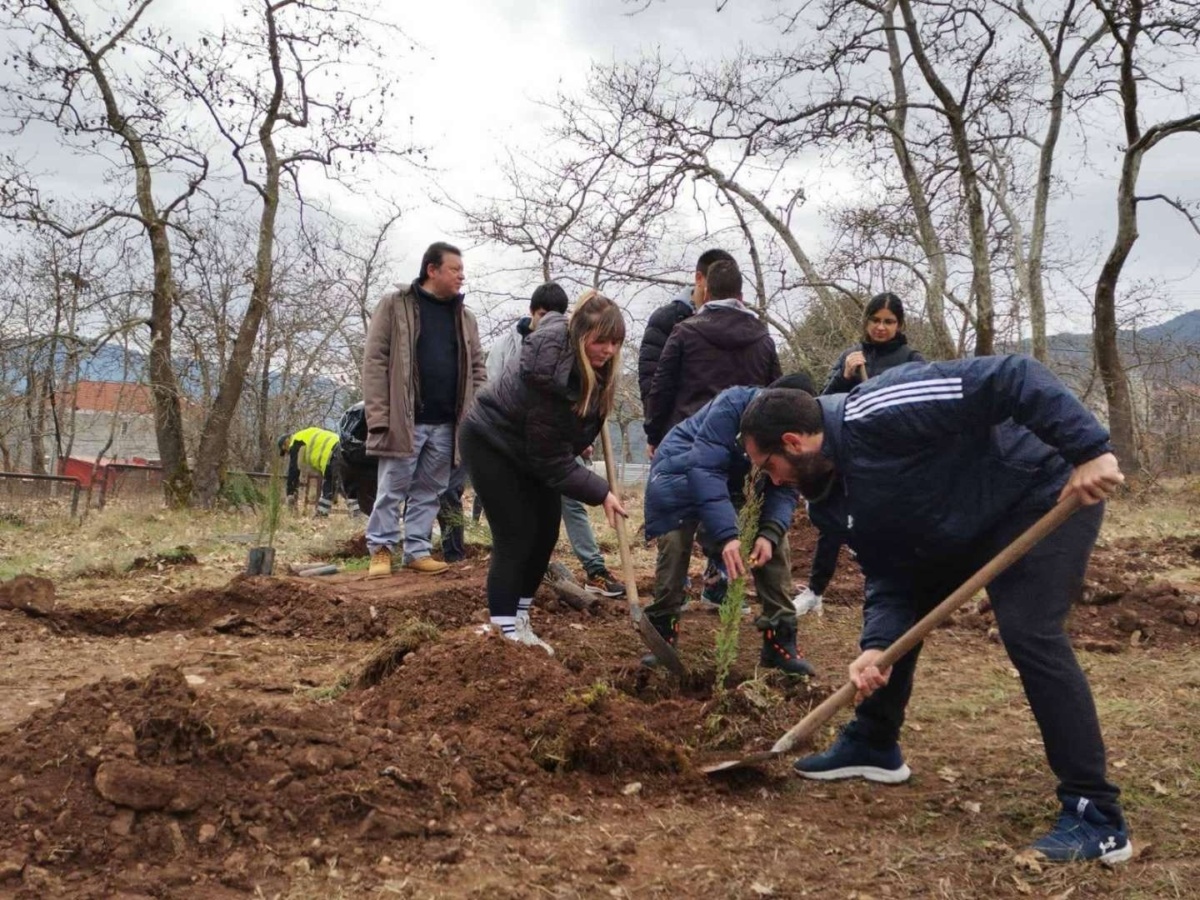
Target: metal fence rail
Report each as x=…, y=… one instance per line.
x=119, y=481
x=38, y=496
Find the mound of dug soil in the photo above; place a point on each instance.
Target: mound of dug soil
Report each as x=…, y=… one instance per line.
x=1111, y=619
x=146, y=786
x=244, y=606
x=507, y=711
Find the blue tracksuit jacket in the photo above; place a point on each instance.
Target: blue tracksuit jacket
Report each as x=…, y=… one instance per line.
x=933, y=456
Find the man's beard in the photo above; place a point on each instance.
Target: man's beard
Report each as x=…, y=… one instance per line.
x=812, y=473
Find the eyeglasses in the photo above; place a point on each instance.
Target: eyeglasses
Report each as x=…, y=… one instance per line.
x=741, y=442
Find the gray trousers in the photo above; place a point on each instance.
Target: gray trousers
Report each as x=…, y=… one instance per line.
x=417, y=481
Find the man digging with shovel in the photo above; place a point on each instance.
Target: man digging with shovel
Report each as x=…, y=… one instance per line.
x=941, y=465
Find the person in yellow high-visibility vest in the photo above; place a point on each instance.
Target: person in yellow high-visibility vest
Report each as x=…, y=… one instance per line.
x=313, y=450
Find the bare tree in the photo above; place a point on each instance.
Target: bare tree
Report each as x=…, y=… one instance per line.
x=66, y=78
x=278, y=94
x=1135, y=65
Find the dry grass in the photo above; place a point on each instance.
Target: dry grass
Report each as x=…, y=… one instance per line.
x=388, y=656
x=1167, y=507
x=108, y=541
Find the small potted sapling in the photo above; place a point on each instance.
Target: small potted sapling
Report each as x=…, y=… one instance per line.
x=262, y=557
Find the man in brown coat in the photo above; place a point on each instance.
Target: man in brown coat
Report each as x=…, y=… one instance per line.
x=422, y=366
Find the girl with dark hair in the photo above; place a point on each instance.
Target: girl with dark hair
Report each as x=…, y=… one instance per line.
x=883, y=346
x=520, y=442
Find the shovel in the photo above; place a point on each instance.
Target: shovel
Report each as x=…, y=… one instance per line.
x=844, y=696
x=662, y=651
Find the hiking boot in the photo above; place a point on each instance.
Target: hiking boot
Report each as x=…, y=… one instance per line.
x=1083, y=832
x=806, y=601
x=381, y=563
x=427, y=565
x=779, y=650
x=850, y=757
x=524, y=635
x=668, y=627
x=601, y=582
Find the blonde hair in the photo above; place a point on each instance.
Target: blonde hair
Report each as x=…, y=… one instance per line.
x=596, y=318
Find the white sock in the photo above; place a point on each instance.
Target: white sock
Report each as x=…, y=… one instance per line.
x=506, y=624
x=523, y=608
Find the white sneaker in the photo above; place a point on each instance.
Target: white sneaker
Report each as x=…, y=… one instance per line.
x=525, y=635
x=806, y=601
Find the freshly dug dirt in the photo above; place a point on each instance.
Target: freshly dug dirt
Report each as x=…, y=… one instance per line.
x=471, y=766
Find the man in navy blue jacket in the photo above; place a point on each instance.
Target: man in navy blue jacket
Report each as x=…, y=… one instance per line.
x=940, y=466
x=698, y=477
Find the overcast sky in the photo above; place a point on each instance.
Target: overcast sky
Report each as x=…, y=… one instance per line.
x=473, y=84
x=489, y=62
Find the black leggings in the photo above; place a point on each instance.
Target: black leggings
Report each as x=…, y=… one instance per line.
x=523, y=514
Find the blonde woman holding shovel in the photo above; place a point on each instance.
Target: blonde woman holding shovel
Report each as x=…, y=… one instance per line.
x=941, y=466
x=520, y=442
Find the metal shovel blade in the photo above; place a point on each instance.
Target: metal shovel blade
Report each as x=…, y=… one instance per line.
x=662, y=651
x=845, y=695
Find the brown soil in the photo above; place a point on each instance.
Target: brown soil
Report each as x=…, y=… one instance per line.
x=482, y=768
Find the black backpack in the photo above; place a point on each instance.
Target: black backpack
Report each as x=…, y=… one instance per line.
x=352, y=434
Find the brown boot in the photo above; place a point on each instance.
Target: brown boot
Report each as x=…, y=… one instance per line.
x=381, y=563
x=427, y=565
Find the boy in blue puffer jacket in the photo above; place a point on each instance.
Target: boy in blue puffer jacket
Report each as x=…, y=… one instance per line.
x=698, y=475
x=941, y=466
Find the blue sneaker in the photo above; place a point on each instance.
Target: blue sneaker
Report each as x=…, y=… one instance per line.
x=1084, y=832
x=852, y=758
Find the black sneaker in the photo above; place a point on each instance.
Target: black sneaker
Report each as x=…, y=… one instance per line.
x=1083, y=832
x=602, y=582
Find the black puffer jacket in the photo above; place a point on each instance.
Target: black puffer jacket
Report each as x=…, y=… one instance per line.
x=718, y=348
x=662, y=322
x=528, y=414
x=880, y=358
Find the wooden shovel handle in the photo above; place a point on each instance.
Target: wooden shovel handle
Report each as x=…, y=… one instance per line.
x=935, y=617
x=610, y=469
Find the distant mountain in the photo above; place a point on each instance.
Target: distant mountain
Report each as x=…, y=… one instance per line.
x=1166, y=351
x=111, y=363
x=1184, y=329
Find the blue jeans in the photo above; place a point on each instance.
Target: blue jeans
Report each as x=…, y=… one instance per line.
x=580, y=534
x=417, y=480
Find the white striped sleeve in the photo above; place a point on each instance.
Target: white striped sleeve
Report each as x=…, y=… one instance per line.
x=930, y=390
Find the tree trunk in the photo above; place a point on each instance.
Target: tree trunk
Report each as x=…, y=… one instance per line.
x=35, y=420
x=981, y=275
x=1108, y=356
x=214, y=441
x=164, y=387
x=265, y=441
x=935, y=292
